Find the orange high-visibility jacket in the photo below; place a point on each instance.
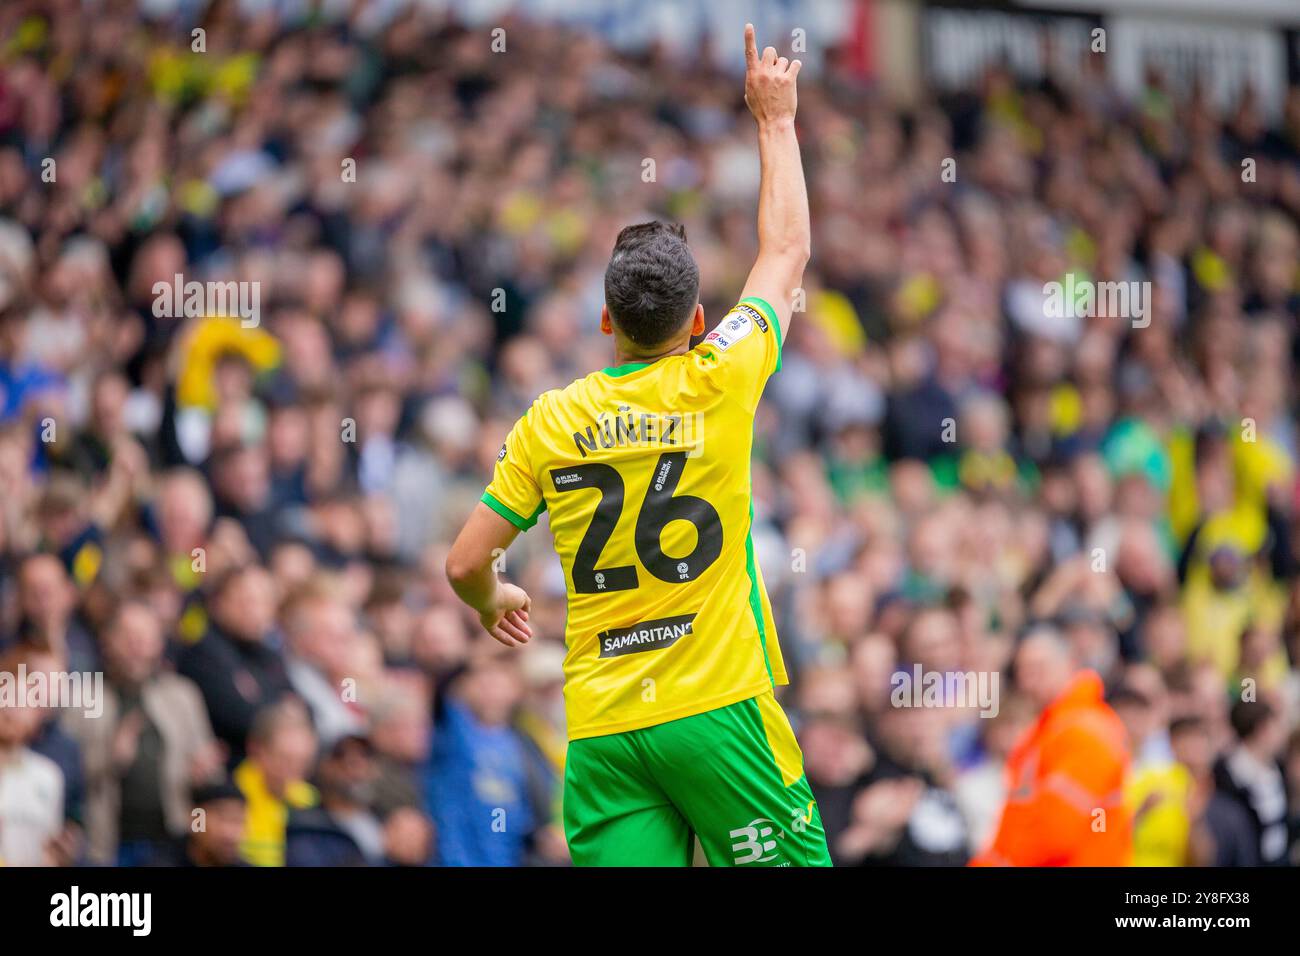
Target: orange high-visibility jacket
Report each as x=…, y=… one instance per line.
x=1065, y=779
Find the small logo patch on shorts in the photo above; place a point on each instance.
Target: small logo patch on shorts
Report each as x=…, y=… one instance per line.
x=752, y=844
x=646, y=636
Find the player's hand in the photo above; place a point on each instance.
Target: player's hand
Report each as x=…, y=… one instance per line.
x=770, y=90
x=507, y=622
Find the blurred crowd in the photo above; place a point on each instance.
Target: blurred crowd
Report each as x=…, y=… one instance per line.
x=242, y=523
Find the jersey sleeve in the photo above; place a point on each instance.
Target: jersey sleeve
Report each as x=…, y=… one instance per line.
x=513, y=492
x=745, y=347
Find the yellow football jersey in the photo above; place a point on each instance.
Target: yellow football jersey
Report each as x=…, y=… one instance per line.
x=645, y=472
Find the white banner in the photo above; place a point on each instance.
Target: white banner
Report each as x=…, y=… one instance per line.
x=1226, y=58
x=679, y=25
x=959, y=44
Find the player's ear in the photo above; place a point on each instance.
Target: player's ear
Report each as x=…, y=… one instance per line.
x=606, y=325
x=697, y=326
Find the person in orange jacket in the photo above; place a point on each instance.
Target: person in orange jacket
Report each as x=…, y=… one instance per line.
x=1065, y=775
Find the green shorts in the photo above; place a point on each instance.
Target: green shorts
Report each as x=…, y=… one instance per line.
x=732, y=778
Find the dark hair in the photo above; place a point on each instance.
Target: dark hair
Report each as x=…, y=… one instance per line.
x=1247, y=717
x=1127, y=695
x=652, y=283
x=212, y=791
x=222, y=581
x=1187, y=725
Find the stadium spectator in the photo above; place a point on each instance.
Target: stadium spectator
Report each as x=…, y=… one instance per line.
x=322, y=641
x=342, y=830
x=31, y=786
x=47, y=601
x=53, y=740
x=217, y=841
x=981, y=787
x=234, y=665
x=836, y=759
x=477, y=778
x=1221, y=831
x=150, y=745
x=408, y=838
x=273, y=779
x=1251, y=775
x=1064, y=806
x=401, y=736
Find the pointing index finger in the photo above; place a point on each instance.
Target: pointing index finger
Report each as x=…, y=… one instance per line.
x=751, y=45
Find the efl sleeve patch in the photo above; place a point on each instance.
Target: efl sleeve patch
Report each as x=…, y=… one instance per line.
x=734, y=327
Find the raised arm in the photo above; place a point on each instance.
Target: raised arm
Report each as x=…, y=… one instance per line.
x=784, y=233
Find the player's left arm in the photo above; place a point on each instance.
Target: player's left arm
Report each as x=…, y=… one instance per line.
x=502, y=608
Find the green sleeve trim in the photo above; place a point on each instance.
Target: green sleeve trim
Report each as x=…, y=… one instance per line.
x=770, y=313
x=519, y=521
x=755, y=597
x=627, y=368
